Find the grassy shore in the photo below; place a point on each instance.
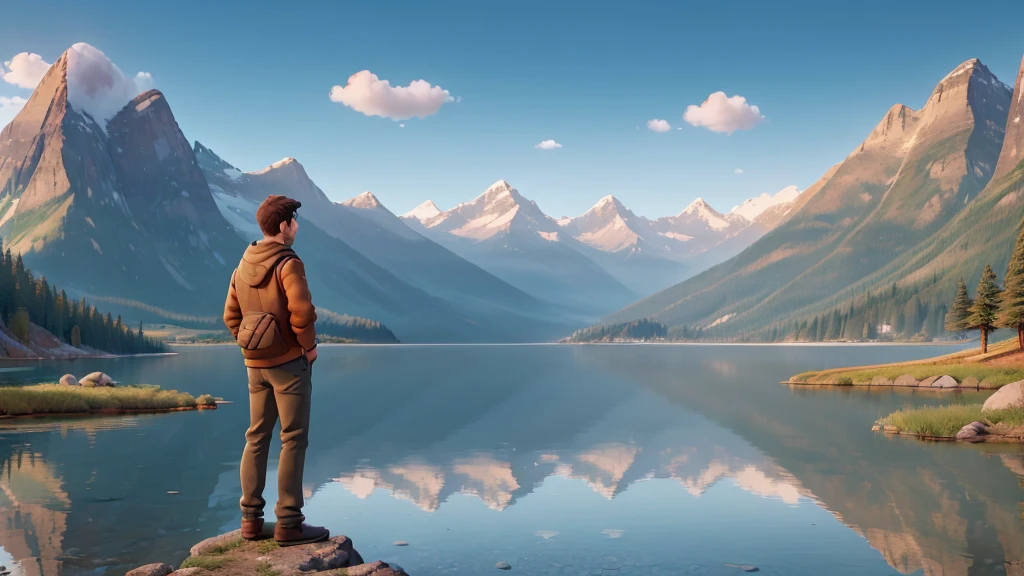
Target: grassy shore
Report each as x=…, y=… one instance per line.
x=1002, y=365
x=946, y=421
x=54, y=399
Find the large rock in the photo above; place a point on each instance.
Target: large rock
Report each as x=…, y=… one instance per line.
x=906, y=380
x=97, y=380
x=1009, y=396
x=211, y=544
x=338, y=554
x=945, y=382
x=927, y=382
x=68, y=380
x=151, y=570
x=973, y=432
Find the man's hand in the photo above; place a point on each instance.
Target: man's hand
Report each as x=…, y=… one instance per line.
x=311, y=355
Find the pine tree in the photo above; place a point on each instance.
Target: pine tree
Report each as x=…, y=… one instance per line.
x=1011, y=310
x=958, y=317
x=76, y=336
x=19, y=325
x=986, y=306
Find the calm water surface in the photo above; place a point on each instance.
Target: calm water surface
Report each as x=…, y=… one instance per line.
x=556, y=459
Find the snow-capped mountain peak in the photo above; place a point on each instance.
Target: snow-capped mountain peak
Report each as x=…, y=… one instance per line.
x=277, y=165
x=754, y=207
x=364, y=200
x=423, y=212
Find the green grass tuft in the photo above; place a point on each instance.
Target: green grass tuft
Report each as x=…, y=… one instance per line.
x=946, y=421
x=265, y=546
x=205, y=562
x=57, y=399
x=266, y=569
x=225, y=547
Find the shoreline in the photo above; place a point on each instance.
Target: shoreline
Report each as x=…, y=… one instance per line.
x=84, y=357
x=104, y=412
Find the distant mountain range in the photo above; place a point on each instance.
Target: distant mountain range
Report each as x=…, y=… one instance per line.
x=600, y=257
x=109, y=199
x=932, y=195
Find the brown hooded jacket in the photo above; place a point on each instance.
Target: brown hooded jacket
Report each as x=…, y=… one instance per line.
x=271, y=277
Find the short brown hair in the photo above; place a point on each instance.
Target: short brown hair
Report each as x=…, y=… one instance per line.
x=274, y=211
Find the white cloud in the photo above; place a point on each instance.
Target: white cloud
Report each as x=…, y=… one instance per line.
x=144, y=82
x=738, y=171
x=24, y=70
x=9, y=108
x=720, y=113
x=658, y=125
x=367, y=93
x=548, y=145
x=97, y=86
x=401, y=125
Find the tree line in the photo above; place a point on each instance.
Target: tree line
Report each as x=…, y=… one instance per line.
x=992, y=307
x=26, y=300
x=643, y=330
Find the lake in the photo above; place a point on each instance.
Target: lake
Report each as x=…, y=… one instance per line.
x=561, y=460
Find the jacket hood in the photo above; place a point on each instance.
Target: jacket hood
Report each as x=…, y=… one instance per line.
x=259, y=260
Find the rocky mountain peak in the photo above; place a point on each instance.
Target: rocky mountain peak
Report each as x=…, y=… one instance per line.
x=697, y=206
x=423, y=212
x=366, y=200
x=1013, y=142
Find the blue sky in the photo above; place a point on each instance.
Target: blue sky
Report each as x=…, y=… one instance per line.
x=252, y=82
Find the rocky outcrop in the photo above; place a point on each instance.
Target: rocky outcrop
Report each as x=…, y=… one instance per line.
x=906, y=380
x=945, y=382
x=95, y=380
x=1009, y=396
x=229, y=555
x=69, y=380
x=972, y=432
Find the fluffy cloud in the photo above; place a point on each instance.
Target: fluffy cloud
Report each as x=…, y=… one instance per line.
x=738, y=171
x=97, y=86
x=368, y=94
x=24, y=70
x=9, y=108
x=721, y=113
x=658, y=125
x=548, y=145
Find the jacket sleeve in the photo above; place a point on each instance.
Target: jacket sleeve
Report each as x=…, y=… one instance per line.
x=302, y=313
x=232, y=311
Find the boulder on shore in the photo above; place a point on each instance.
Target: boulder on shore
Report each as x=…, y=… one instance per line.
x=927, y=382
x=1009, y=396
x=68, y=380
x=236, y=557
x=906, y=380
x=97, y=380
x=945, y=381
x=151, y=570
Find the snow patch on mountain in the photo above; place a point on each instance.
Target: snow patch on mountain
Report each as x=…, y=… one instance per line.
x=704, y=212
x=279, y=164
x=423, y=212
x=233, y=173
x=366, y=200
x=753, y=207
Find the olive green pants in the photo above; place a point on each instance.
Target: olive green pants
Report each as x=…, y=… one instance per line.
x=280, y=392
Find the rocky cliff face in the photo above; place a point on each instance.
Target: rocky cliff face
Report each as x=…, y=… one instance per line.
x=914, y=172
x=126, y=216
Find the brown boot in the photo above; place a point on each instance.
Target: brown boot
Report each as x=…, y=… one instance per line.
x=251, y=527
x=302, y=534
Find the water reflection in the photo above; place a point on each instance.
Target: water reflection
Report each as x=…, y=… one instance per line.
x=687, y=457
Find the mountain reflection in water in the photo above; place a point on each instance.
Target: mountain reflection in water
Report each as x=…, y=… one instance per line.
x=665, y=450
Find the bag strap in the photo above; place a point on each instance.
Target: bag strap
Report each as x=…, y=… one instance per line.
x=279, y=265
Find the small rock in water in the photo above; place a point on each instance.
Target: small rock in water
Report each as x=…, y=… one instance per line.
x=401, y=543
x=503, y=566
x=744, y=567
x=151, y=570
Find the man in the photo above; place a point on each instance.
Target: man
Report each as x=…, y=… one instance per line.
x=270, y=313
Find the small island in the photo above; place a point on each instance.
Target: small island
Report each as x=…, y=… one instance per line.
x=95, y=394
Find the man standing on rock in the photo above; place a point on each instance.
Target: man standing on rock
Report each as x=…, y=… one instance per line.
x=270, y=313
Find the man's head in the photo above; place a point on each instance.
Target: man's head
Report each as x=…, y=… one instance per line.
x=276, y=217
